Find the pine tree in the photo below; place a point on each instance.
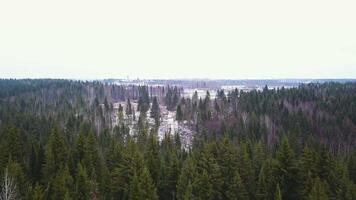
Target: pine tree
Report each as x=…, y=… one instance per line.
x=80, y=147
x=307, y=170
x=245, y=170
x=188, y=193
x=206, y=163
x=134, y=192
x=36, y=162
x=131, y=163
x=155, y=111
x=179, y=115
x=152, y=157
x=14, y=145
x=278, y=194
x=143, y=100
x=227, y=159
x=128, y=110
x=56, y=154
x=120, y=113
x=168, y=173
x=236, y=188
x=91, y=159
x=38, y=193
x=62, y=185
x=287, y=169
x=82, y=184
x=147, y=187
x=187, y=178
x=267, y=180
x=318, y=191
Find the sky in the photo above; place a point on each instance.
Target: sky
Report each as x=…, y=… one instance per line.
x=232, y=39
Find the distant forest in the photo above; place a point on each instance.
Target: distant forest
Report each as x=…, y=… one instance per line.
x=64, y=139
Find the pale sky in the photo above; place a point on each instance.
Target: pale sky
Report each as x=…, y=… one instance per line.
x=234, y=39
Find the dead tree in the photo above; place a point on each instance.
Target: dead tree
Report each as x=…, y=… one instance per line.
x=8, y=187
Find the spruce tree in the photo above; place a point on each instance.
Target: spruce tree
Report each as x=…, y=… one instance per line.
x=187, y=179
x=152, y=157
x=56, y=154
x=245, y=170
x=134, y=192
x=62, y=185
x=82, y=184
x=318, y=191
x=287, y=169
x=179, y=113
x=147, y=187
x=38, y=193
x=128, y=109
x=155, y=111
x=278, y=194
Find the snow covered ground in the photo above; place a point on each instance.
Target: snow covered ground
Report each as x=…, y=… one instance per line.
x=168, y=123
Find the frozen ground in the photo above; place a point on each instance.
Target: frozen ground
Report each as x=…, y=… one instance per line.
x=168, y=123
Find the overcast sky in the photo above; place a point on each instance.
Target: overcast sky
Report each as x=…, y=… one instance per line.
x=178, y=39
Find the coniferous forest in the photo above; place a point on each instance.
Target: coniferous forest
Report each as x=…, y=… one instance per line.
x=64, y=139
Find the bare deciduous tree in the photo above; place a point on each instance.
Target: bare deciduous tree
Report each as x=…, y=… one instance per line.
x=8, y=187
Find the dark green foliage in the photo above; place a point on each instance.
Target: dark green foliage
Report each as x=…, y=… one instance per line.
x=286, y=169
x=38, y=193
x=278, y=194
x=61, y=187
x=318, y=191
x=179, y=114
x=128, y=110
x=155, y=111
x=144, y=100
x=58, y=142
x=56, y=154
x=82, y=184
x=172, y=97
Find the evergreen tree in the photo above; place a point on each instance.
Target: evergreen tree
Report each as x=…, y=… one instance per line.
x=35, y=162
x=147, y=188
x=187, y=178
x=38, y=193
x=318, y=191
x=267, y=180
x=287, y=169
x=130, y=165
x=227, y=159
x=134, y=192
x=278, y=194
x=14, y=145
x=188, y=193
x=152, y=157
x=56, y=154
x=307, y=170
x=155, y=111
x=245, y=170
x=82, y=184
x=62, y=185
x=179, y=113
x=236, y=188
x=209, y=173
x=120, y=113
x=128, y=110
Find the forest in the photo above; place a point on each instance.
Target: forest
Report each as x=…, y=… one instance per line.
x=60, y=140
